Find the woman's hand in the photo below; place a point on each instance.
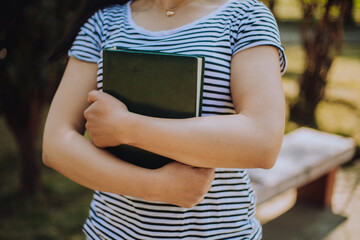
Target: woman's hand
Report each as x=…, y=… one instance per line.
x=106, y=119
x=181, y=184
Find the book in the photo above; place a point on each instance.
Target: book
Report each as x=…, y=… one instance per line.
x=153, y=84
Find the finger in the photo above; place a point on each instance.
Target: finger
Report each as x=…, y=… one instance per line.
x=93, y=96
x=210, y=181
x=200, y=200
x=86, y=114
x=87, y=111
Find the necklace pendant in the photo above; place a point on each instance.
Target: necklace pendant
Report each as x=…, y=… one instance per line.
x=170, y=13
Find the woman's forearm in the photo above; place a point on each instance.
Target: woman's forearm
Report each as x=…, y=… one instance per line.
x=77, y=158
x=244, y=140
x=219, y=141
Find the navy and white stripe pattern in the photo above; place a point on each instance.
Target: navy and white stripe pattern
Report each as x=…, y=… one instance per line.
x=228, y=209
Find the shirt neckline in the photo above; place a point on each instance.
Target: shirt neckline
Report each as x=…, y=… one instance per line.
x=173, y=30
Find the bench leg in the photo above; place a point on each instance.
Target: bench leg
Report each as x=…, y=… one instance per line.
x=319, y=192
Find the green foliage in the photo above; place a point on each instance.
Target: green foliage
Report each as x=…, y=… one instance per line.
x=339, y=112
x=318, y=7
x=290, y=10
x=57, y=214
x=28, y=31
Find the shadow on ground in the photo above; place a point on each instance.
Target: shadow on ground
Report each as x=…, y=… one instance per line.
x=303, y=222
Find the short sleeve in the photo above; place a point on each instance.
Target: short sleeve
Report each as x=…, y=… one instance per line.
x=258, y=27
x=88, y=43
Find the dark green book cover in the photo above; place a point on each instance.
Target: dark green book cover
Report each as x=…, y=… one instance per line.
x=153, y=84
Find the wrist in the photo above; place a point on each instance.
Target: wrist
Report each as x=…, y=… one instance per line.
x=136, y=130
x=127, y=127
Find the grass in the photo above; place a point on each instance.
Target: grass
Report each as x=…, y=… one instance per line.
x=57, y=213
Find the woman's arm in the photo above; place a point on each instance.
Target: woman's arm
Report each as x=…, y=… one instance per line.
x=66, y=150
x=250, y=138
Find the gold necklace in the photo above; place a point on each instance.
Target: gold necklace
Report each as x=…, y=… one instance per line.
x=171, y=11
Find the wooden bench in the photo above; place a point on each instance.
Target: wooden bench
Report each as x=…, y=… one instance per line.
x=307, y=161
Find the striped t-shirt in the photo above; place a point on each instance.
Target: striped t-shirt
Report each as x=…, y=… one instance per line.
x=228, y=210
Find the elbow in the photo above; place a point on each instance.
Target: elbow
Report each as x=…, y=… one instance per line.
x=51, y=148
x=48, y=143
x=268, y=163
x=269, y=152
x=268, y=157
x=46, y=153
x=46, y=160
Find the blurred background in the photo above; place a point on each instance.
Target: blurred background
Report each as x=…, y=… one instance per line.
x=322, y=87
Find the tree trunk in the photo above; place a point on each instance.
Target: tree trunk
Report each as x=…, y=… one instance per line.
x=311, y=92
x=272, y=5
x=322, y=42
x=349, y=17
x=25, y=122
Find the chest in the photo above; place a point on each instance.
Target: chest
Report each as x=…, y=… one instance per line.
x=154, y=18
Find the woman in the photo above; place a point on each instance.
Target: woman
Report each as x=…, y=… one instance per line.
x=242, y=124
